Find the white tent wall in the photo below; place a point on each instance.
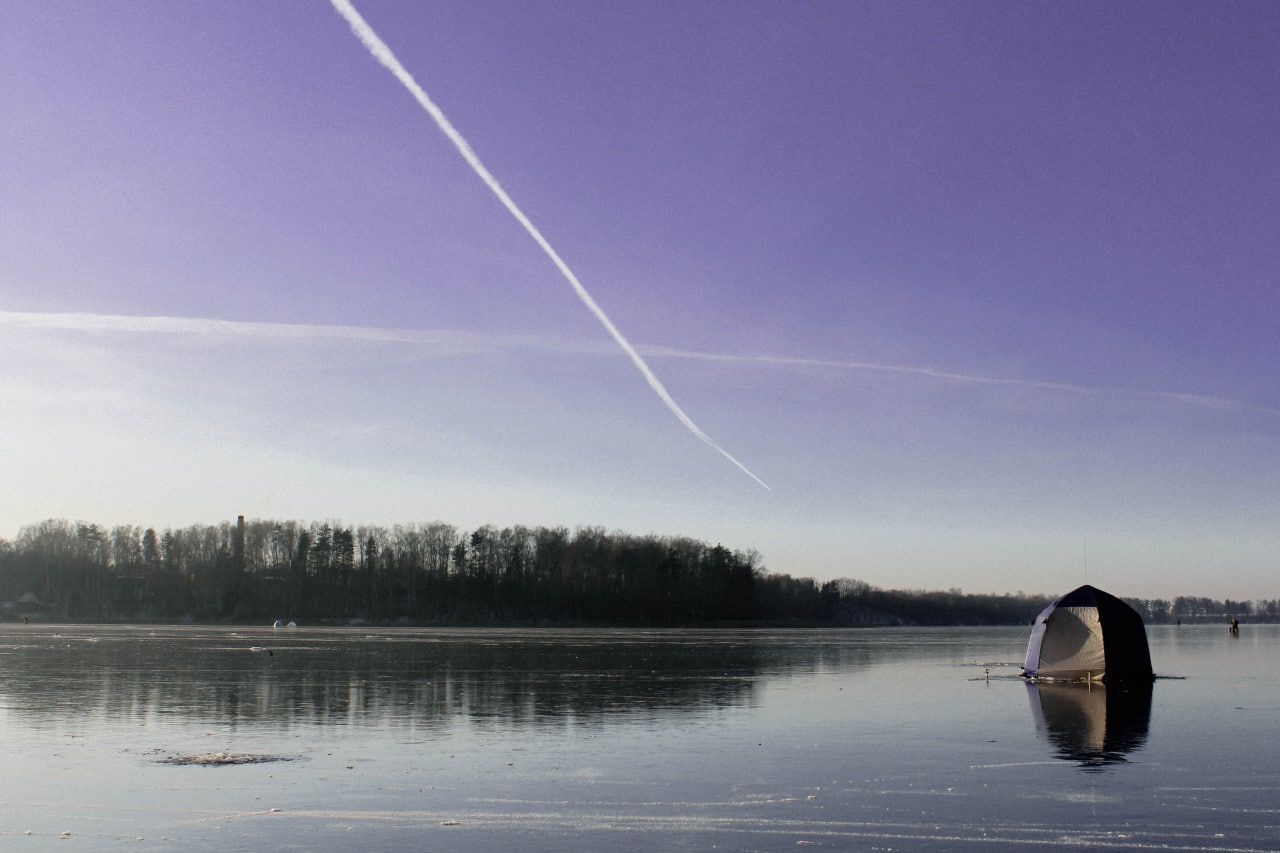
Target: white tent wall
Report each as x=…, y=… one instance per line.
x=1072, y=643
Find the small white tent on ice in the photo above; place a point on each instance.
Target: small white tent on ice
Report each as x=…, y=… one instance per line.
x=1088, y=634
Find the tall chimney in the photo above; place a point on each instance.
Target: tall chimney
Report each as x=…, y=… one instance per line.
x=237, y=544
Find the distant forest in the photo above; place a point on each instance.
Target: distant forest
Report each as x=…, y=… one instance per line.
x=436, y=574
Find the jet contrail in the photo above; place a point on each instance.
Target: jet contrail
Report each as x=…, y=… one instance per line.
x=383, y=54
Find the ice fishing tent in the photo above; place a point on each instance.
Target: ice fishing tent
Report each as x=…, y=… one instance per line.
x=1088, y=633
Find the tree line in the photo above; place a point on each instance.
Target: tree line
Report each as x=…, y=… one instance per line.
x=251, y=571
x=1194, y=609
x=435, y=573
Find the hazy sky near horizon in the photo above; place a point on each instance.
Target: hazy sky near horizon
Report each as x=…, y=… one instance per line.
x=967, y=285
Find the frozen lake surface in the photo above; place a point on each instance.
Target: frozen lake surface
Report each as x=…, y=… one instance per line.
x=626, y=740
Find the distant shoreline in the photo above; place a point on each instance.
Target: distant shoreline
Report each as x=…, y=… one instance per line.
x=42, y=621
x=253, y=572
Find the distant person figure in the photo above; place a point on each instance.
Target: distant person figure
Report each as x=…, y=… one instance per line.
x=26, y=620
x=1235, y=626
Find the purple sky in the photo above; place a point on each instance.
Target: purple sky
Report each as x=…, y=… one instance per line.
x=874, y=209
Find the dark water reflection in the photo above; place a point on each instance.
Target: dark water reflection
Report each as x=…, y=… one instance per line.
x=343, y=677
x=484, y=740
x=311, y=680
x=1093, y=725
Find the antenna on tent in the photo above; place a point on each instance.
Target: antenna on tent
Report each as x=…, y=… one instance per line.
x=1086, y=559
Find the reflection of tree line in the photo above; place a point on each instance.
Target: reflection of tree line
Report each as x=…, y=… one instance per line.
x=416, y=678
x=366, y=682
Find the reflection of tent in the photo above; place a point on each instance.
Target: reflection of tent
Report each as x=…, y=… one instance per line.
x=1092, y=724
x=1088, y=633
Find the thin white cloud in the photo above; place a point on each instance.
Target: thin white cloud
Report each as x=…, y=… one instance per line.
x=1204, y=400
x=464, y=341
x=202, y=327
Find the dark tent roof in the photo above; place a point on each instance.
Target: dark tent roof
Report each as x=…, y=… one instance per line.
x=1088, y=633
